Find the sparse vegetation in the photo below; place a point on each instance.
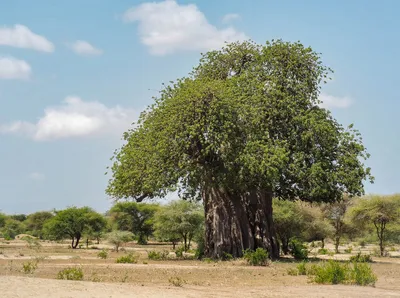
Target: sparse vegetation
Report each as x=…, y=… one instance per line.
x=128, y=259
x=72, y=273
x=103, y=254
x=259, y=257
x=29, y=267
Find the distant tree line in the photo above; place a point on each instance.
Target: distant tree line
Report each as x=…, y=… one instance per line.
x=372, y=219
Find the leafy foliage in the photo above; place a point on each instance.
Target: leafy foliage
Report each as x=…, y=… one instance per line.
x=128, y=259
x=378, y=213
x=36, y=221
x=73, y=223
x=179, y=220
x=298, y=250
x=135, y=217
x=117, y=238
x=259, y=257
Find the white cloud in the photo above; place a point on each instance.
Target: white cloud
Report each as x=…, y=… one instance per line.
x=22, y=37
x=167, y=27
x=11, y=68
x=37, y=176
x=329, y=101
x=84, y=48
x=230, y=17
x=74, y=118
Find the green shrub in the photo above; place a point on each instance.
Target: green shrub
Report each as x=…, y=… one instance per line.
x=29, y=267
x=293, y=271
x=302, y=268
x=103, y=254
x=298, y=250
x=227, y=256
x=73, y=273
x=128, y=259
x=323, y=251
x=348, y=250
x=256, y=258
x=360, y=258
x=332, y=272
x=157, y=255
x=362, y=275
x=362, y=243
x=179, y=251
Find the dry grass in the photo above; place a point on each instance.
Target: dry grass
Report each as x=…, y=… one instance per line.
x=233, y=274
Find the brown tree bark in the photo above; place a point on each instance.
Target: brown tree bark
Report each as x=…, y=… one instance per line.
x=238, y=222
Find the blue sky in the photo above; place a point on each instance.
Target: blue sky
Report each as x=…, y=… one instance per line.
x=75, y=74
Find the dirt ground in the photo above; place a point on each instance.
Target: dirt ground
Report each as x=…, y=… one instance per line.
x=148, y=278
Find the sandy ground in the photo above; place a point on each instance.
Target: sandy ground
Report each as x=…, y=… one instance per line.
x=12, y=286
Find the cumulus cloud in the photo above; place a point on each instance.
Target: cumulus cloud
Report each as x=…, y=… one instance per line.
x=84, y=48
x=230, y=17
x=12, y=68
x=74, y=118
x=21, y=36
x=167, y=27
x=330, y=101
x=36, y=176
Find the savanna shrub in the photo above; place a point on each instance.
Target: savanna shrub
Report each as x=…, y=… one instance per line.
x=362, y=275
x=227, y=256
x=323, y=251
x=128, y=259
x=157, y=255
x=302, y=268
x=176, y=281
x=256, y=258
x=103, y=254
x=360, y=258
x=29, y=267
x=332, y=272
x=179, y=251
x=73, y=273
x=298, y=250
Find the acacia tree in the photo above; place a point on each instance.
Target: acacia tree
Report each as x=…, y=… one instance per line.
x=179, y=220
x=336, y=214
x=138, y=218
x=289, y=222
x=73, y=223
x=378, y=212
x=243, y=127
x=36, y=221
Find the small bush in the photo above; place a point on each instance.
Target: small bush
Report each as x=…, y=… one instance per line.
x=176, y=281
x=348, y=250
x=323, y=251
x=256, y=258
x=293, y=271
x=157, y=255
x=301, y=268
x=227, y=257
x=360, y=258
x=128, y=259
x=362, y=275
x=103, y=254
x=29, y=267
x=362, y=243
x=179, y=252
x=208, y=260
x=73, y=273
x=334, y=272
x=331, y=272
x=298, y=250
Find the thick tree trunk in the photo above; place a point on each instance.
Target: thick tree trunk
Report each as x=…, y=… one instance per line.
x=235, y=223
x=285, y=245
x=337, y=242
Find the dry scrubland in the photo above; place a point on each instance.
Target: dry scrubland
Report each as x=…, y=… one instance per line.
x=171, y=278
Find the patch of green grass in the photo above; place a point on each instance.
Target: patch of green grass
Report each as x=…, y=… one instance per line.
x=103, y=254
x=360, y=258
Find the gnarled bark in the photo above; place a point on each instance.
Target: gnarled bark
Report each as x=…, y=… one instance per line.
x=238, y=222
